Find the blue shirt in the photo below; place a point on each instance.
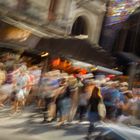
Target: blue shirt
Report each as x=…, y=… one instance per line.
x=111, y=96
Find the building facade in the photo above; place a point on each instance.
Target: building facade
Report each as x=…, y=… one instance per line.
x=118, y=12
x=53, y=18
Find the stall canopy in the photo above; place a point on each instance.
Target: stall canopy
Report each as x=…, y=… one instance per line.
x=110, y=71
x=11, y=48
x=79, y=49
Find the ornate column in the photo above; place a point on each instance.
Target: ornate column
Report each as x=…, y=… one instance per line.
x=52, y=9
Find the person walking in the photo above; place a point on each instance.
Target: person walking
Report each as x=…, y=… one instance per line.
x=2, y=80
x=93, y=114
x=21, y=92
x=63, y=103
x=83, y=101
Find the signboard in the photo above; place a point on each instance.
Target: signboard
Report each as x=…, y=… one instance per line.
x=14, y=34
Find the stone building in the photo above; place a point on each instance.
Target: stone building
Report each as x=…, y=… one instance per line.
x=56, y=18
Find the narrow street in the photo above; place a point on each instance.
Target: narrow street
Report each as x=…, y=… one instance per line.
x=70, y=70
x=28, y=126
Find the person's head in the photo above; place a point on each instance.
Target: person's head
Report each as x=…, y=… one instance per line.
x=23, y=69
x=123, y=86
x=128, y=95
x=113, y=84
x=72, y=83
x=89, y=82
x=96, y=93
x=117, y=84
x=2, y=66
x=62, y=82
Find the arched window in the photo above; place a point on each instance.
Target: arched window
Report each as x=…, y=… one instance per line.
x=79, y=27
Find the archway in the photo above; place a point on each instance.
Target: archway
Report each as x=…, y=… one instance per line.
x=133, y=33
x=128, y=36
x=79, y=27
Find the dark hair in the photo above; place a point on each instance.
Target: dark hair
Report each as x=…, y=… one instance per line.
x=128, y=95
x=62, y=82
x=95, y=93
x=82, y=89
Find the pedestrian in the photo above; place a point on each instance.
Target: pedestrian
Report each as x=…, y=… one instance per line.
x=21, y=92
x=3, y=97
x=93, y=114
x=74, y=96
x=112, y=98
x=51, y=87
x=83, y=101
x=63, y=103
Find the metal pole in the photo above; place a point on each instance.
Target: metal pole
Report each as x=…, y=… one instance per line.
x=132, y=73
x=45, y=68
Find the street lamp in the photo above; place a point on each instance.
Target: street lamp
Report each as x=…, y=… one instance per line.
x=44, y=54
x=44, y=68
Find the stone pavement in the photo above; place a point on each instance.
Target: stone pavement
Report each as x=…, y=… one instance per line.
x=27, y=126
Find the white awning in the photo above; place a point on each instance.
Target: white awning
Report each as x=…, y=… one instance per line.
x=110, y=71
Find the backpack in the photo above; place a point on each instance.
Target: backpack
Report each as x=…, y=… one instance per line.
x=102, y=109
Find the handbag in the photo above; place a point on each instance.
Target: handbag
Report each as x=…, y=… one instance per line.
x=102, y=109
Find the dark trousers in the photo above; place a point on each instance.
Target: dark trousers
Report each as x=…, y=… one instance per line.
x=111, y=112
x=91, y=128
x=93, y=118
x=48, y=101
x=82, y=109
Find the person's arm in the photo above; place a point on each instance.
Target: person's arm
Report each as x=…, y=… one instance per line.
x=89, y=102
x=127, y=107
x=99, y=92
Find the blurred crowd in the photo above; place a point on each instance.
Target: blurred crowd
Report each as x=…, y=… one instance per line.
x=64, y=97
